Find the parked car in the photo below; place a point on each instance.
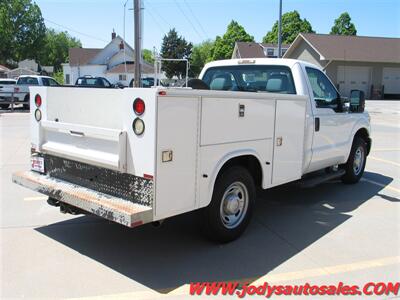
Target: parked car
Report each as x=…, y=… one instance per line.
x=6, y=91
x=25, y=81
x=156, y=153
x=96, y=82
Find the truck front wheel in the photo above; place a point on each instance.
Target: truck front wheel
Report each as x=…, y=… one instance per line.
x=356, y=163
x=231, y=205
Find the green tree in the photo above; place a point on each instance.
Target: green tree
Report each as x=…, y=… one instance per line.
x=55, y=49
x=59, y=76
x=292, y=25
x=174, y=46
x=22, y=30
x=200, y=56
x=223, y=46
x=148, y=56
x=344, y=26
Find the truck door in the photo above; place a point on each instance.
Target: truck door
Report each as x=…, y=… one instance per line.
x=332, y=127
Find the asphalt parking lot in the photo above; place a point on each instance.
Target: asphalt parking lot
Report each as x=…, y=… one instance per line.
x=323, y=235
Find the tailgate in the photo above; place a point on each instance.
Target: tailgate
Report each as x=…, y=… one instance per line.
x=81, y=124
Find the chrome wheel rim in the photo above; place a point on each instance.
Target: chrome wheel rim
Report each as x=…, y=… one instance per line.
x=234, y=205
x=358, y=160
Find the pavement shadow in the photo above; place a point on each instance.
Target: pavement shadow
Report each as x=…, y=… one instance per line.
x=287, y=220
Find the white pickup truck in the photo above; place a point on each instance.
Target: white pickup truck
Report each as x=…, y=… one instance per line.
x=141, y=155
x=24, y=83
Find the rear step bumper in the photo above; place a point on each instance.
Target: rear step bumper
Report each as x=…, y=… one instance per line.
x=109, y=207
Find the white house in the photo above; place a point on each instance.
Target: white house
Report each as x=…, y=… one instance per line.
x=108, y=62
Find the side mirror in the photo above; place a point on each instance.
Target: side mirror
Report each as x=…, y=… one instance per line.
x=357, y=101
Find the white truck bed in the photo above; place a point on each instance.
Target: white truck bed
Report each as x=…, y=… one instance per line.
x=203, y=129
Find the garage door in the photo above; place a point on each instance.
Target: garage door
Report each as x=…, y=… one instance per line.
x=391, y=80
x=353, y=78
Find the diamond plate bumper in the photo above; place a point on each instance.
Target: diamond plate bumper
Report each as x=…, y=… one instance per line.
x=106, y=206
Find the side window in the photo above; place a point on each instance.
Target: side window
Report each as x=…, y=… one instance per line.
x=325, y=94
x=106, y=83
x=53, y=82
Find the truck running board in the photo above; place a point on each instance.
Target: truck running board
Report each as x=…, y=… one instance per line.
x=106, y=206
x=318, y=179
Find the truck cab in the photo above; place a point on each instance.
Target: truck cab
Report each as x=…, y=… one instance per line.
x=330, y=122
x=159, y=152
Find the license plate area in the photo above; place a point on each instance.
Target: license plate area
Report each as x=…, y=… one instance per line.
x=37, y=163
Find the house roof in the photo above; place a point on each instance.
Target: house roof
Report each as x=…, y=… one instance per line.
x=146, y=68
x=82, y=56
x=4, y=68
x=254, y=50
x=21, y=71
x=350, y=48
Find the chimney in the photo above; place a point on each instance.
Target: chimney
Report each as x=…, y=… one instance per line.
x=121, y=45
x=113, y=35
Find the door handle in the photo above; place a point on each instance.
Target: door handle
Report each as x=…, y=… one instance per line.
x=76, y=133
x=317, y=124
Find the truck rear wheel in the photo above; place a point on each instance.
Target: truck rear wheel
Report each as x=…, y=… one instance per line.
x=356, y=163
x=231, y=205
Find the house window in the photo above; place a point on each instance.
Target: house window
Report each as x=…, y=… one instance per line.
x=283, y=51
x=270, y=52
x=122, y=77
x=67, y=78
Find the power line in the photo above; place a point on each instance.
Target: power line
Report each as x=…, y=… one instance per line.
x=78, y=32
x=188, y=19
x=155, y=21
x=159, y=15
x=195, y=18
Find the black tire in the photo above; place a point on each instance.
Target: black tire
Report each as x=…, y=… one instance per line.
x=4, y=106
x=26, y=99
x=237, y=184
x=353, y=173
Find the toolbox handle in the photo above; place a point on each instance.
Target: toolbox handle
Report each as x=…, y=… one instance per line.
x=76, y=133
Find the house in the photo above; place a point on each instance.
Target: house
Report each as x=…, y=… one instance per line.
x=256, y=50
x=3, y=71
x=114, y=62
x=370, y=64
x=30, y=67
x=15, y=73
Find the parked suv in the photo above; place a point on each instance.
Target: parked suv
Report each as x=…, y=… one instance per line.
x=25, y=81
x=6, y=90
x=90, y=81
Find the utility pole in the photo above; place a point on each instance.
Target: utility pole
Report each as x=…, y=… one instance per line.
x=138, y=42
x=280, y=30
x=126, y=71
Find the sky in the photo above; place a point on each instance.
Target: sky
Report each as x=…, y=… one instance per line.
x=92, y=21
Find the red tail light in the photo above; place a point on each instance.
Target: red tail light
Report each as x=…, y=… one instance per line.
x=139, y=106
x=16, y=90
x=38, y=100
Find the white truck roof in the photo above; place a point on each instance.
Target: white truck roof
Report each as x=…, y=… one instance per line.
x=35, y=76
x=256, y=61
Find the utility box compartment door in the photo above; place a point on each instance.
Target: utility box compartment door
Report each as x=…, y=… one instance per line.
x=177, y=146
x=289, y=140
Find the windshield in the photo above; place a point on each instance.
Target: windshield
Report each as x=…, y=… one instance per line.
x=251, y=78
x=28, y=80
x=89, y=81
x=4, y=82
